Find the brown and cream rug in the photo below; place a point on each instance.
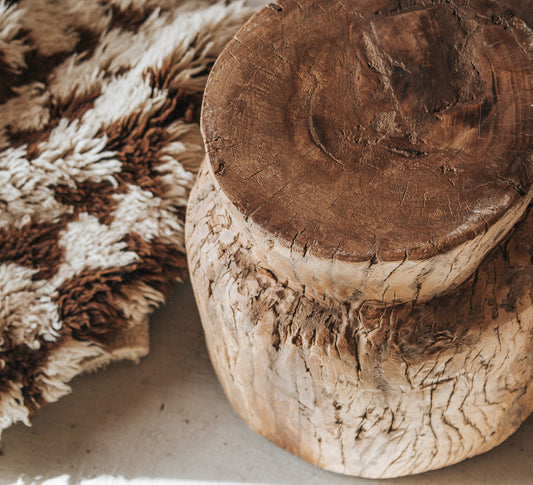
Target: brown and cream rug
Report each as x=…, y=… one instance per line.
x=99, y=146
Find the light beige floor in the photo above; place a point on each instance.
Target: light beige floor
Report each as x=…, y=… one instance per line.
x=167, y=419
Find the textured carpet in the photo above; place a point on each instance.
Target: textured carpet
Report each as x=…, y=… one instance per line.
x=99, y=146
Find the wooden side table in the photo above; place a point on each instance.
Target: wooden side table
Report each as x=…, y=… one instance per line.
x=359, y=238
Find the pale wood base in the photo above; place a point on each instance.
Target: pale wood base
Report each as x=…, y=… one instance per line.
x=365, y=390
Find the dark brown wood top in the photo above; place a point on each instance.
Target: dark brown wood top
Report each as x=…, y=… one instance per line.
x=522, y=8
x=362, y=129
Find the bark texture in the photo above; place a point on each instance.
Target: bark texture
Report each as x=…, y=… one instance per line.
x=362, y=388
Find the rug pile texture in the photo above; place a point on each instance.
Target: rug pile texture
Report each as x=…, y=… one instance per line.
x=99, y=147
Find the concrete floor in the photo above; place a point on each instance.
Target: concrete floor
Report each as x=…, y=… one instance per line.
x=167, y=421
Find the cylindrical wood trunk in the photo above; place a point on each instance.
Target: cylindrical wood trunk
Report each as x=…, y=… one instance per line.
x=359, y=237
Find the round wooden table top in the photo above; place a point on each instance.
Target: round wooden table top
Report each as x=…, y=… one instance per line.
x=362, y=129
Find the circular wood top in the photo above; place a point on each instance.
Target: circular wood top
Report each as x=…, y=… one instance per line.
x=362, y=129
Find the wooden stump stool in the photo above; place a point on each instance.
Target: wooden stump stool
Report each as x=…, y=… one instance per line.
x=359, y=238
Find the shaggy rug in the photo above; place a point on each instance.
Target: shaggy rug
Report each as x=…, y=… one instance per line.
x=99, y=146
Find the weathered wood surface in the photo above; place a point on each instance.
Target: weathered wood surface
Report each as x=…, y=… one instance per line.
x=366, y=390
x=359, y=237
x=388, y=141
x=522, y=8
